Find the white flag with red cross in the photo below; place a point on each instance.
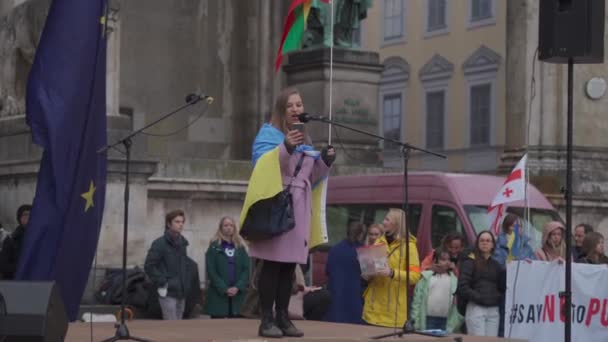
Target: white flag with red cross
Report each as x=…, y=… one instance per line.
x=512, y=190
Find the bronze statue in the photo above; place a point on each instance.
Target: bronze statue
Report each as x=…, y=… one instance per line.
x=347, y=15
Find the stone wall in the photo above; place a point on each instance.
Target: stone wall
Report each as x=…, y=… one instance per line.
x=221, y=48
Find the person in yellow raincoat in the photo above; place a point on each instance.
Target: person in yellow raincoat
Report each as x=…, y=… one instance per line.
x=386, y=293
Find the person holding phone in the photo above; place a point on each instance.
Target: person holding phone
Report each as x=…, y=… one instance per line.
x=284, y=145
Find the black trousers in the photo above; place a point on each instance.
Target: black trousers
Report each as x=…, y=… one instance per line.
x=316, y=304
x=274, y=286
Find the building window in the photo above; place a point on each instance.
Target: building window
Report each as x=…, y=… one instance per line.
x=480, y=72
x=391, y=99
x=444, y=220
x=393, y=19
x=481, y=9
x=391, y=119
x=435, y=118
x=481, y=101
x=436, y=15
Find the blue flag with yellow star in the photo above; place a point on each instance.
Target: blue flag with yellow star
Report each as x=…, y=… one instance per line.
x=66, y=110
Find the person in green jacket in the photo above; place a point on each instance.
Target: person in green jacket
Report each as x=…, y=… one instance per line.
x=434, y=305
x=168, y=267
x=227, y=271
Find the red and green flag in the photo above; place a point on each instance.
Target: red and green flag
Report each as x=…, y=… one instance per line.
x=295, y=25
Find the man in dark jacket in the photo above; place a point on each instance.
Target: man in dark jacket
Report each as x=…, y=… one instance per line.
x=11, y=246
x=168, y=267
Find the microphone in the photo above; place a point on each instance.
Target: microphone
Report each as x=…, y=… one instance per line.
x=305, y=117
x=194, y=98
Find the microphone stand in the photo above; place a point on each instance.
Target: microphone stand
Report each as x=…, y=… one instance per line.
x=408, y=326
x=122, y=332
x=3, y=310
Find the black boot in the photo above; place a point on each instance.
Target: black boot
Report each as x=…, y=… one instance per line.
x=287, y=326
x=268, y=328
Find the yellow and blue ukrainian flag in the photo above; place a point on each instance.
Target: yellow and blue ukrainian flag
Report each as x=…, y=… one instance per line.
x=266, y=180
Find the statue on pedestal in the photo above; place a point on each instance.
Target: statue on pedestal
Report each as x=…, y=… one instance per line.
x=347, y=16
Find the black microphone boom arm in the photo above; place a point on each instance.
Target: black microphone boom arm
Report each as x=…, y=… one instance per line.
x=306, y=117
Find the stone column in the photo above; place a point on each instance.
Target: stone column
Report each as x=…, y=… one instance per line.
x=141, y=168
x=356, y=77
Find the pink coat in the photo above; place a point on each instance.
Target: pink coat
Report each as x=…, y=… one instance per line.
x=292, y=246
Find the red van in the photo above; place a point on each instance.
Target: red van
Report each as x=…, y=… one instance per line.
x=440, y=203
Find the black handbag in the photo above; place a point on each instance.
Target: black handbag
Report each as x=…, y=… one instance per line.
x=273, y=216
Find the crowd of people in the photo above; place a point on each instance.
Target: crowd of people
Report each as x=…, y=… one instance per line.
x=454, y=288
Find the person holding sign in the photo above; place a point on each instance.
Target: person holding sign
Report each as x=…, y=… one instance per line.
x=553, y=244
x=593, y=249
x=387, y=291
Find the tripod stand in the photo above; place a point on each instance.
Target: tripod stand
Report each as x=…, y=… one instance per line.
x=122, y=332
x=408, y=326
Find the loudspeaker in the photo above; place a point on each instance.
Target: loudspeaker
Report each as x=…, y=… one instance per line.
x=34, y=312
x=571, y=29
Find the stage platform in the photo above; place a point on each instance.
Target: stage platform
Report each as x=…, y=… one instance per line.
x=220, y=330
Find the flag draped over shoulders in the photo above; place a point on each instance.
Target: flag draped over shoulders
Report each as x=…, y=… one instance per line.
x=269, y=138
x=66, y=110
x=266, y=179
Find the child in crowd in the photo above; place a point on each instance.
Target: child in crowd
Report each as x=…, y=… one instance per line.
x=434, y=305
x=374, y=232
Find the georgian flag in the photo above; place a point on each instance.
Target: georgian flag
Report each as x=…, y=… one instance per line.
x=512, y=190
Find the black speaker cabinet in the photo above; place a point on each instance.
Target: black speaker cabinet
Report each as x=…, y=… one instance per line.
x=34, y=312
x=571, y=29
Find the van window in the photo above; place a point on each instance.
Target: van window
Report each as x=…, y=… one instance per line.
x=339, y=215
x=444, y=220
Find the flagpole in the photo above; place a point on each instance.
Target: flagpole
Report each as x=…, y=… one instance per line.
x=567, y=294
x=527, y=222
x=331, y=69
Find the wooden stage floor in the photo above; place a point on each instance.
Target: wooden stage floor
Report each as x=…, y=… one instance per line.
x=200, y=330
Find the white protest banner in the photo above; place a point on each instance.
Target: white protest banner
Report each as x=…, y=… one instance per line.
x=534, y=308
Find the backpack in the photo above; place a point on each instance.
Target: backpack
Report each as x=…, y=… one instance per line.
x=138, y=284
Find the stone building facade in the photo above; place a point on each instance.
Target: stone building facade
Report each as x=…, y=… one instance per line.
x=542, y=113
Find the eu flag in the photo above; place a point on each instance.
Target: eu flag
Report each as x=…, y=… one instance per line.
x=66, y=110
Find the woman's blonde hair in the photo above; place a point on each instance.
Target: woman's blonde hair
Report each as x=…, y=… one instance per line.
x=397, y=217
x=237, y=240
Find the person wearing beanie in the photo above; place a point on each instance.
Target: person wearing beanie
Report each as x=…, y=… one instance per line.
x=11, y=246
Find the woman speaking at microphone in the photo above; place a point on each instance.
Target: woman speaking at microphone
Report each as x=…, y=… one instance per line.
x=284, y=143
